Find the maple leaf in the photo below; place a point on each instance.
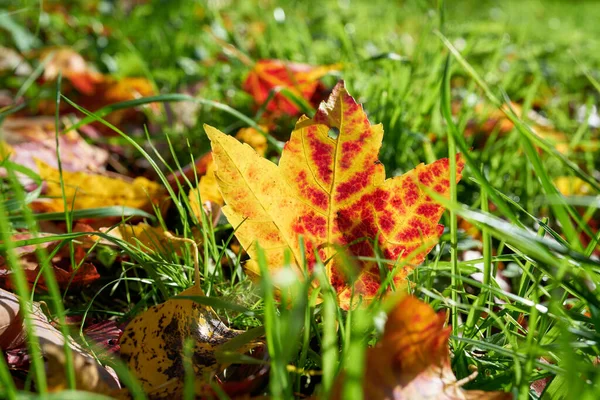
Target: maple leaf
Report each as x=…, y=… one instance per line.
x=208, y=188
x=412, y=359
x=300, y=79
x=331, y=192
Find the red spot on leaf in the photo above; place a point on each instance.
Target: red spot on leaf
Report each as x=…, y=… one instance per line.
x=354, y=185
x=321, y=154
x=428, y=210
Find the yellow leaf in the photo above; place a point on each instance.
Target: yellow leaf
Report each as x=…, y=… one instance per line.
x=208, y=187
x=152, y=343
x=88, y=374
x=145, y=237
x=333, y=192
x=572, y=186
x=84, y=190
x=254, y=138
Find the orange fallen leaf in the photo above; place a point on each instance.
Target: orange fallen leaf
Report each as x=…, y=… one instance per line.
x=72, y=66
x=333, y=192
x=495, y=119
x=300, y=79
x=93, y=90
x=412, y=359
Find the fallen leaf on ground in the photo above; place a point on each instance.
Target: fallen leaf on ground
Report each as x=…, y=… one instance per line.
x=11, y=62
x=333, y=192
x=34, y=138
x=12, y=335
x=60, y=262
x=412, y=359
x=300, y=79
x=144, y=237
x=495, y=119
x=72, y=66
x=85, y=190
x=92, y=90
x=152, y=344
x=208, y=188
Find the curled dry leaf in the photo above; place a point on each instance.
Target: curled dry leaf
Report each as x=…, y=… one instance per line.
x=333, y=192
x=85, y=190
x=300, y=79
x=12, y=336
x=412, y=359
x=152, y=344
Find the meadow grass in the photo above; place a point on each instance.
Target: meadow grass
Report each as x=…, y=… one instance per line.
x=419, y=68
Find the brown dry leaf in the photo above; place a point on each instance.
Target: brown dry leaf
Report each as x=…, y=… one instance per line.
x=152, y=344
x=84, y=190
x=412, y=359
x=12, y=335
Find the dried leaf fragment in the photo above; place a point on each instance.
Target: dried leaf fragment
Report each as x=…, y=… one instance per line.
x=12, y=335
x=333, y=192
x=411, y=360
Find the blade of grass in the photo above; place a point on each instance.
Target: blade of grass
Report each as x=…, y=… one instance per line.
x=445, y=94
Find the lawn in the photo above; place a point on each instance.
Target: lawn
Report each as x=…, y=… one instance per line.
x=135, y=263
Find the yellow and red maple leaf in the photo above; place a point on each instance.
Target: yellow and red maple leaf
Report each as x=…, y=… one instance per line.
x=332, y=192
x=300, y=79
x=412, y=359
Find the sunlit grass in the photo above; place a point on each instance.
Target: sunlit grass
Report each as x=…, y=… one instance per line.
x=422, y=86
